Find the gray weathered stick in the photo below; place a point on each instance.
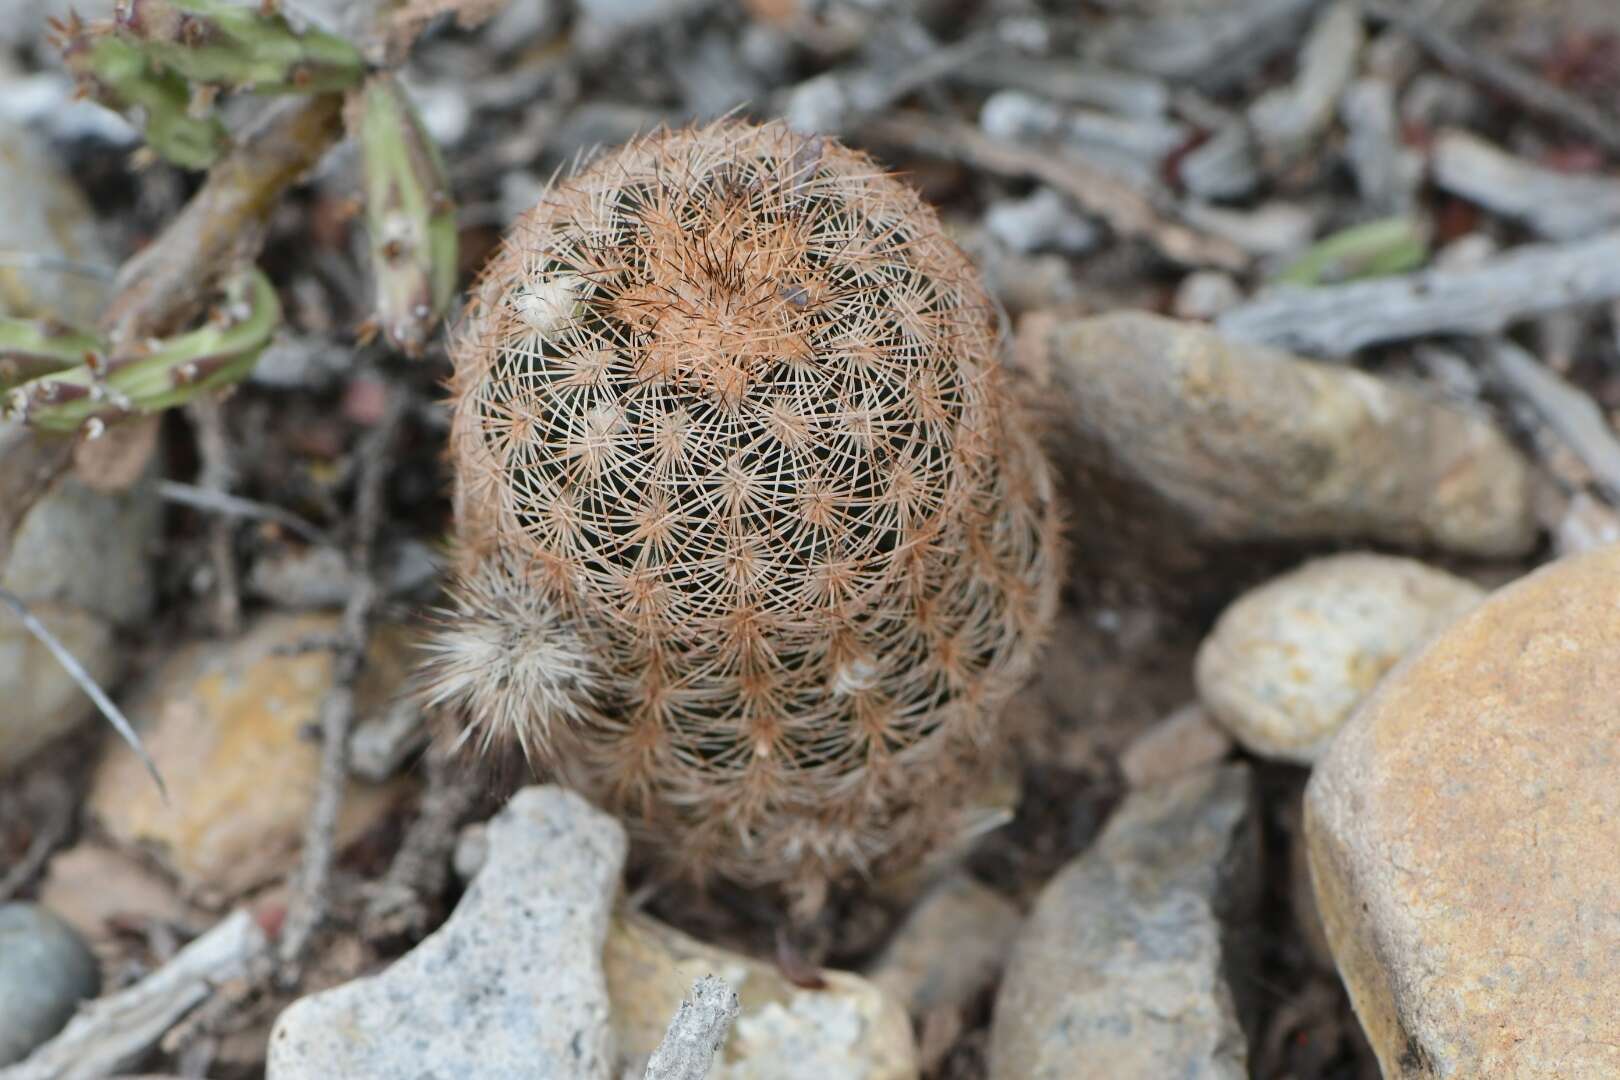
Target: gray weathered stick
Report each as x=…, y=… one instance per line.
x=1374, y=146
x=1211, y=43
x=1123, y=207
x=1288, y=119
x=1502, y=75
x=696, y=1033
x=1556, y=205
x=1123, y=93
x=116, y=1031
x=1337, y=320
x=1571, y=414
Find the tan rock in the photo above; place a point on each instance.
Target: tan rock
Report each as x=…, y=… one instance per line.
x=226, y=723
x=1464, y=836
x=1185, y=740
x=850, y=1029
x=1287, y=662
x=1181, y=446
x=90, y=884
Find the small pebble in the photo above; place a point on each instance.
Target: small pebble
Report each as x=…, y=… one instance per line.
x=1289, y=661
x=45, y=971
x=1205, y=294
x=1044, y=221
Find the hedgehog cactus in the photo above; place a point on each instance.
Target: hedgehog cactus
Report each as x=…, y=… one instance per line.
x=753, y=544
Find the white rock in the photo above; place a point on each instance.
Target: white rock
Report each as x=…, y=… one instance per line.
x=1120, y=971
x=1045, y=221
x=1204, y=294
x=510, y=986
x=1288, y=662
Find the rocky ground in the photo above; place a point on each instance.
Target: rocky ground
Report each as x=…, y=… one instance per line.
x=1318, y=303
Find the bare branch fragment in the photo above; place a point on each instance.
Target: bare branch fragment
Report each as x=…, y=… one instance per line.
x=1337, y=320
x=1505, y=77
x=114, y=1032
x=1573, y=416
x=1115, y=201
x=1556, y=205
x=167, y=283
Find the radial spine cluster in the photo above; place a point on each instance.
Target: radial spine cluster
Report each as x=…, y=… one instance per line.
x=753, y=543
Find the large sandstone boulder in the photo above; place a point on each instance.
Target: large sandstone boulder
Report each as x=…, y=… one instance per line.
x=1464, y=836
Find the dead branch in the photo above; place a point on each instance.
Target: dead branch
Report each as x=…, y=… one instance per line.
x=219, y=502
x=310, y=900
x=114, y=1032
x=167, y=283
x=1556, y=205
x=398, y=903
x=1335, y=321
x=1126, y=211
x=1573, y=416
x=1288, y=119
x=217, y=476
x=1505, y=77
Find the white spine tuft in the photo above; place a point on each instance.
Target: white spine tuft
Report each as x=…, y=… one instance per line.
x=511, y=664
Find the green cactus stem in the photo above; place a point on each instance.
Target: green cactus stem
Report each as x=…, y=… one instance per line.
x=1373, y=249
x=166, y=373
x=30, y=348
x=217, y=43
x=410, y=215
x=118, y=75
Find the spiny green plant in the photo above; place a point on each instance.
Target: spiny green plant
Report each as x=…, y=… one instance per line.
x=167, y=60
x=753, y=542
x=102, y=385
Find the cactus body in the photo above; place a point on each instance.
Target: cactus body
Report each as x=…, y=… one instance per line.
x=753, y=543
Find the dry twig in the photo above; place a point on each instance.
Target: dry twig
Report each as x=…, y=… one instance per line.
x=310, y=900
x=216, y=478
x=1502, y=75
x=1116, y=202
x=1337, y=320
x=398, y=903
x=115, y=1032
x=1573, y=416
x=1555, y=205
x=115, y=716
x=235, y=506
